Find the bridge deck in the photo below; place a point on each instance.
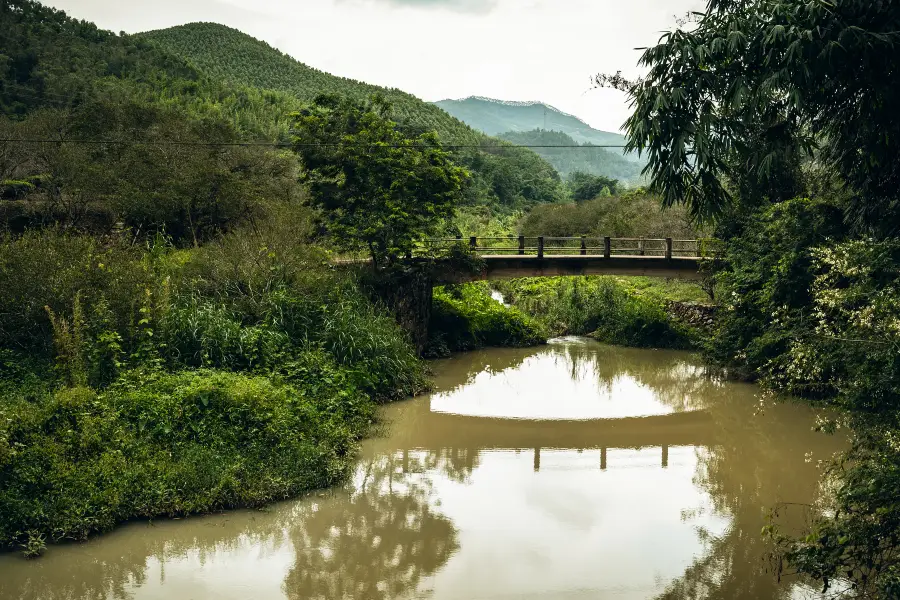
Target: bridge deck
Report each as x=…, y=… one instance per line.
x=505, y=266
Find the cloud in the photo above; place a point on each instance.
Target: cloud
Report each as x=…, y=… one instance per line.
x=463, y=6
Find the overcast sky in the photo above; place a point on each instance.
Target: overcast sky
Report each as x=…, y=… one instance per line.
x=543, y=50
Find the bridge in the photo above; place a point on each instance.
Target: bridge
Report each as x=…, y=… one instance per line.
x=436, y=431
x=514, y=257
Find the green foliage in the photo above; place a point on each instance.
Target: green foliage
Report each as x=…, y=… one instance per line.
x=466, y=317
x=737, y=96
x=765, y=287
x=635, y=213
x=572, y=157
x=66, y=80
x=585, y=186
x=377, y=187
x=79, y=462
x=817, y=317
x=853, y=551
x=290, y=360
x=506, y=178
x=600, y=307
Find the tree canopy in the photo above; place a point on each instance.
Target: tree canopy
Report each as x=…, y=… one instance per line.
x=379, y=187
x=734, y=102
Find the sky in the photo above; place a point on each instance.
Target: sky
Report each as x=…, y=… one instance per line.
x=543, y=50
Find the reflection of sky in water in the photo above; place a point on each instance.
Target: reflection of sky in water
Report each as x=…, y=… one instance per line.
x=572, y=530
x=251, y=570
x=548, y=386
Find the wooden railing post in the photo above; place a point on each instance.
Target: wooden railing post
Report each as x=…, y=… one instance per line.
x=607, y=247
x=668, y=248
x=473, y=243
x=541, y=247
x=584, y=245
x=641, y=247
x=521, y=245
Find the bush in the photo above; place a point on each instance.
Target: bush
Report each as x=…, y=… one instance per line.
x=635, y=213
x=765, y=288
x=599, y=307
x=101, y=419
x=79, y=462
x=465, y=317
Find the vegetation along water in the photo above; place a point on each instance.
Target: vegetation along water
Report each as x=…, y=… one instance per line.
x=216, y=263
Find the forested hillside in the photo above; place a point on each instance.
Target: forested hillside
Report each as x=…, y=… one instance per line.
x=505, y=177
x=567, y=160
x=226, y=54
x=68, y=82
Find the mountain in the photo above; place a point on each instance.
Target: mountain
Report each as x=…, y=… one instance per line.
x=568, y=160
x=228, y=55
x=504, y=176
x=494, y=117
x=64, y=77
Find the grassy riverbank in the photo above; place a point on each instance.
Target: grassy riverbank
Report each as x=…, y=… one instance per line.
x=142, y=382
x=466, y=317
x=612, y=310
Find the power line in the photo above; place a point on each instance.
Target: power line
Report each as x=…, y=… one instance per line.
x=286, y=144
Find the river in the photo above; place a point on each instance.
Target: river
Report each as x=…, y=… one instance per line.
x=571, y=471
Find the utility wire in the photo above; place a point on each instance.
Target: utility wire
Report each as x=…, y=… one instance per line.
x=282, y=145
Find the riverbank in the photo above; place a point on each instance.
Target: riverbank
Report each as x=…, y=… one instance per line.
x=637, y=312
x=633, y=462
x=152, y=382
x=147, y=382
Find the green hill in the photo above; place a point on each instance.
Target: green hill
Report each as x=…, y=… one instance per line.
x=65, y=78
x=567, y=160
x=504, y=177
x=228, y=55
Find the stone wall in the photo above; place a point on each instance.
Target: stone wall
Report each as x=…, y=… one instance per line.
x=702, y=316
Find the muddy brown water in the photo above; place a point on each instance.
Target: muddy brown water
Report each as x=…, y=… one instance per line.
x=576, y=470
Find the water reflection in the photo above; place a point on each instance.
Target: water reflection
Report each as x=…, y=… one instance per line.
x=376, y=540
x=572, y=471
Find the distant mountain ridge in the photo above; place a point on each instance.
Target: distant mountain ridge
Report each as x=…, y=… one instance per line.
x=495, y=117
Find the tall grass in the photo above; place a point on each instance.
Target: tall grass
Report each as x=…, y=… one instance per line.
x=599, y=307
x=465, y=317
x=166, y=382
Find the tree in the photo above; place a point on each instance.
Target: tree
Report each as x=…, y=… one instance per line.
x=734, y=103
x=585, y=186
x=377, y=187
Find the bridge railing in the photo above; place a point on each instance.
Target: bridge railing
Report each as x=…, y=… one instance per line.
x=607, y=247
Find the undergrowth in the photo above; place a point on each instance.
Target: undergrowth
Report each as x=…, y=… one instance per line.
x=466, y=317
x=600, y=307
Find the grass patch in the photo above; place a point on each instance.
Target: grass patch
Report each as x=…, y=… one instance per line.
x=601, y=307
x=466, y=317
x=168, y=444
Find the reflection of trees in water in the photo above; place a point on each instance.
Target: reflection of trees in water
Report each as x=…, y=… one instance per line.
x=678, y=379
x=760, y=461
x=377, y=541
x=109, y=566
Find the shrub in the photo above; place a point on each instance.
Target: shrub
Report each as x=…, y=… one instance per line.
x=465, y=317
x=635, y=213
x=80, y=462
x=600, y=307
x=49, y=269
